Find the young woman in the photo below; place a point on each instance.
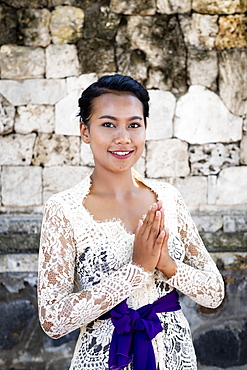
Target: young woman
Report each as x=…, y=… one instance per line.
x=127, y=242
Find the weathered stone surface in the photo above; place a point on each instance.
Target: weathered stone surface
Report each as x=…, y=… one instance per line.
x=34, y=27
x=208, y=223
x=21, y=186
x=59, y=178
x=80, y=83
x=192, y=198
x=243, y=150
x=162, y=107
x=201, y=117
x=147, y=7
x=66, y=24
x=34, y=91
x=7, y=114
x=232, y=32
x=21, y=62
x=210, y=159
x=212, y=185
x=61, y=61
x=55, y=150
x=8, y=25
x=86, y=155
x=232, y=185
x=38, y=118
x=18, y=262
x=27, y=3
x=152, y=43
x=233, y=223
x=233, y=80
x=199, y=30
x=96, y=56
x=202, y=67
x=63, y=110
x=16, y=149
x=167, y=158
x=174, y=6
x=100, y=22
x=225, y=242
x=219, y=6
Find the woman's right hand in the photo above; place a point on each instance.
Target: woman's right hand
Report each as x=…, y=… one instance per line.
x=149, y=237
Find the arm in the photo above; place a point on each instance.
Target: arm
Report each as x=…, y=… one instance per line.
x=197, y=276
x=60, y=310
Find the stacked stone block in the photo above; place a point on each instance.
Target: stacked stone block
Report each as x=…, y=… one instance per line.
x=191, y=56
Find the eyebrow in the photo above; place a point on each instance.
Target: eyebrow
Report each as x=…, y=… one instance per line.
x=115, y=119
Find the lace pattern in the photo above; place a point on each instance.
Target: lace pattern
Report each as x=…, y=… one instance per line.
x=97, y=256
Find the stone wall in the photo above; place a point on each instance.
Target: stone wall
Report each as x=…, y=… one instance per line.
x=192, y=57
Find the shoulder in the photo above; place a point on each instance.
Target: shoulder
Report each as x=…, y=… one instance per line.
x=163, y=188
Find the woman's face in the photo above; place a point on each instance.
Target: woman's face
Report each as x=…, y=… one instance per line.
x=116, y=131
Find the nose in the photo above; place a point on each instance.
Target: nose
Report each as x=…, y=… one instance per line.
x=122, y=136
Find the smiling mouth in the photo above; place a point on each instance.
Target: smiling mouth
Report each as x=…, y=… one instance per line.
x=121, y=154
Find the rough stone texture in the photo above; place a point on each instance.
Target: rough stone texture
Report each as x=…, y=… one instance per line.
x=208, y=223
x=16, y=149
x=7, y=114
x=55, y=150
x=33, y=91
x=96, y=56
x=59, y=178
x=198, y=184
x=199, y=30
x=201, y=117
x=232, y=185
x=233, y=80
x=174, y=6
x=141, y=7
x=100, y=22
x=210, y=159
x=219, y=6
x=18, y=262
x=167, y=158
x=243, y=150
x=64, y=125
x=202, y=67
x=34, y=27
x=212, y=191
x=162, y=108
x=15, y=182
x=8, y=25
x=61, y=61
x=35, y=118
x=27, y=3
x=80, y=83
x=232, y=32
x=146, y=44
x=21, y=62
x=66, y=24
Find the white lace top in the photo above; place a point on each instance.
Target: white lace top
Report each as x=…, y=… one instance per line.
x=97, y=256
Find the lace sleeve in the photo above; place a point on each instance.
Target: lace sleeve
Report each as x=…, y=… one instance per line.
x=60, y=309
x=197, y=276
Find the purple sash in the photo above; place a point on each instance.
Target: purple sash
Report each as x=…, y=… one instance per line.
x=134, y=330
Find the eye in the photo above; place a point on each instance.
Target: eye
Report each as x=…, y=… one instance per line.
x=107, y=124
x=135, y=125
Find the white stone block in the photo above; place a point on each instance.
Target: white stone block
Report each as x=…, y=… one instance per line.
x=59, y=178
x=7, y=114
x=61, y=61
x=201, y=117
x=243, y=150
x=200, y=30
x=173, y=6
x=162, y=108
x=86, y=155
x=38, y=118
x=202, y=68
x=22, y=262
x=17, y=149
x=64, y=125
x=167, y=158
x=231, y=186
x=34, y=91
x=80, y=83
x=193, y=189
x=212, y=188
x=22, y=62
x=21, y=186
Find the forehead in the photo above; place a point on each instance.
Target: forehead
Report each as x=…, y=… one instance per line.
x=123, y=104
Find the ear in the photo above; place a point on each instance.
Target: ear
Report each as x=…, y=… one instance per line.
x=84, y=130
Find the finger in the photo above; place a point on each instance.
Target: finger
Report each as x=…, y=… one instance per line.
x=160, y=240
x=154, y=227
x=148, y=221
x=162, y=221
x=140, y=223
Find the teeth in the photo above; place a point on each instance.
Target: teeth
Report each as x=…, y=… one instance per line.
x=121, y=153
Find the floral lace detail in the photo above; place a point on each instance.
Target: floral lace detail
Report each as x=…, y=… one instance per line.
x=97, y=256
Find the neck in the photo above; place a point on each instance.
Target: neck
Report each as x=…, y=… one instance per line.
x=113, y=184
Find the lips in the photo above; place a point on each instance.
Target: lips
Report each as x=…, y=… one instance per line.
x=122, y=154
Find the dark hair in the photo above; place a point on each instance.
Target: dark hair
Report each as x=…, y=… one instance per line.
x=111, y=84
